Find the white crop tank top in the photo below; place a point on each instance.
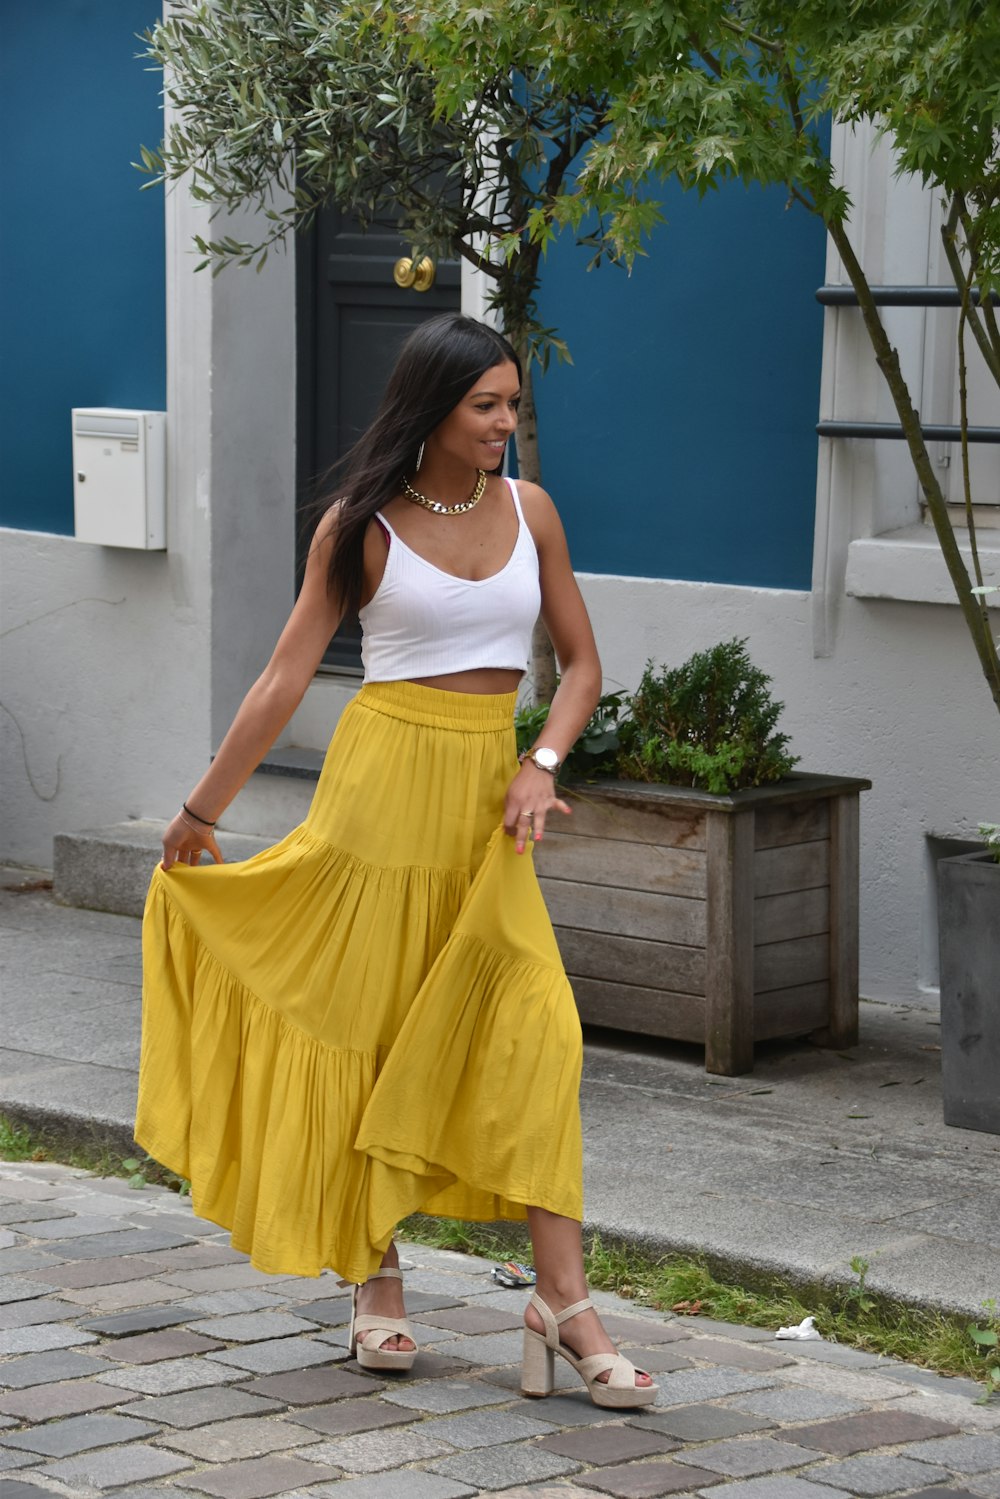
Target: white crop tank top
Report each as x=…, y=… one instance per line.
x=422, y=622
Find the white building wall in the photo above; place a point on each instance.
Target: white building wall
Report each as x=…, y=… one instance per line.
x=121, y=669
x=105, y=683
x=253, y=472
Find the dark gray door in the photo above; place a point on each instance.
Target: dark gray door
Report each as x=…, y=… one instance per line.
x=352, y=318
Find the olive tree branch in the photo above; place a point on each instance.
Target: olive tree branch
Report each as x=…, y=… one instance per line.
x=963, y=281
x=887, y=359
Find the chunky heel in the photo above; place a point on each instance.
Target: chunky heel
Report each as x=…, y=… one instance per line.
x=618, y=1392
x=538, y=1367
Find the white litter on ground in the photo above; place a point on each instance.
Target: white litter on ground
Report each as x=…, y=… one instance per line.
x=805, y=1331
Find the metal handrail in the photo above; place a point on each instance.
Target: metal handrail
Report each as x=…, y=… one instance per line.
x=892, y=431
x=900, y=296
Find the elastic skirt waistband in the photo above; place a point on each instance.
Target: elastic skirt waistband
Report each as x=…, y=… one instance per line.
x=468, y=712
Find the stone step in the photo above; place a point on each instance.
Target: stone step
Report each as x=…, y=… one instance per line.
x=108, y=869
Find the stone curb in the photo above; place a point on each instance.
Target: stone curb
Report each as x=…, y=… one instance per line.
x=68, y=1128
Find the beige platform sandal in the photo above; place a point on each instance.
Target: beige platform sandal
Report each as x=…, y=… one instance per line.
x=369, y=1332
x=619, y=1392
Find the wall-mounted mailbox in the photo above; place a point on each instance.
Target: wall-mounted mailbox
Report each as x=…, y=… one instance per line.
x=119, y=477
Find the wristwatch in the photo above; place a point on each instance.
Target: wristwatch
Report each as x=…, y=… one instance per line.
x=544, y=759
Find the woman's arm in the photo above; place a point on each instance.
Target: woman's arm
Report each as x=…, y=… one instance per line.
x=565, y=616
x=264, y=711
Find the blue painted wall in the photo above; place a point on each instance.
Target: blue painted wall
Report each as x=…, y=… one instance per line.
x=81, y=253
x=680, y=443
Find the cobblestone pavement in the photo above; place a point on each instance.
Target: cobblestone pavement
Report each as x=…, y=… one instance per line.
x=141, y=1356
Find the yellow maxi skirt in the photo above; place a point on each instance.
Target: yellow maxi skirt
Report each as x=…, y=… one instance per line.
x=370, y=1018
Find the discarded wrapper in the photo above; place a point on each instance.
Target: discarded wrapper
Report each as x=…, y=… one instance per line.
x=513, y=1275
x=805, y=1331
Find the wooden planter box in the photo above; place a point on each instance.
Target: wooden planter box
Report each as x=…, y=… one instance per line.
x=722, y=920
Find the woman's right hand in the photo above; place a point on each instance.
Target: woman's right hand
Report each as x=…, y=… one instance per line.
x=183, y=843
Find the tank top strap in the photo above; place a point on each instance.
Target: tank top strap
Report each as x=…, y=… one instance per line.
x=380, y=518
x=516, y=498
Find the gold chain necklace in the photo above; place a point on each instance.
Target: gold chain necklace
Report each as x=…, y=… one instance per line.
x=437, y=507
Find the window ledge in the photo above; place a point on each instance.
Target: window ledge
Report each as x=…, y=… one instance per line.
x=907, y=565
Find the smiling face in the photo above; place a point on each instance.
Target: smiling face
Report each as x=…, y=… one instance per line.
x=475, y=433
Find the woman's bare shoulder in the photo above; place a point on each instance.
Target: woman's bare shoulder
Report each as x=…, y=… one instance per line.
x=532, y=494
x=539, y=510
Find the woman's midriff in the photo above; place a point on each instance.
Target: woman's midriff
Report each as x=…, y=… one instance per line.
x=481, y=679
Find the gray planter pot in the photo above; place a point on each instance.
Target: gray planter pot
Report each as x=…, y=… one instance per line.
x=969, y=942
x=722, y=920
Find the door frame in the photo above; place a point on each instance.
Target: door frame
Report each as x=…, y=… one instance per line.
x=311, y=261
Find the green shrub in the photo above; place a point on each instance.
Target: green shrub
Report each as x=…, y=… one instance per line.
x=709, y=723
x=595, y=752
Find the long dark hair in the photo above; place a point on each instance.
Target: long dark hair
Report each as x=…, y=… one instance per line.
x=438, y=363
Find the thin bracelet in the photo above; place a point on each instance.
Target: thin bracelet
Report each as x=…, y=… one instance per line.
x=196, y=817
x=202, y=833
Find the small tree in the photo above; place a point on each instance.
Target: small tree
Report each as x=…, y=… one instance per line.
x=288, y=107
x=706, y=91
x=489, y=125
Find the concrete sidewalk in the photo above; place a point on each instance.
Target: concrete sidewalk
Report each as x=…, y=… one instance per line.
x=815, y=1158
x=141, y=1356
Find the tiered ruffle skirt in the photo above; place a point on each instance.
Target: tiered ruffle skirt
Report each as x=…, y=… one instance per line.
x=370, y=1018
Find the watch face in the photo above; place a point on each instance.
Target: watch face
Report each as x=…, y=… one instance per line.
x=547, y=759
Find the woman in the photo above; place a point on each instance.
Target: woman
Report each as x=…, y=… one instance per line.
x=372, y=1017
